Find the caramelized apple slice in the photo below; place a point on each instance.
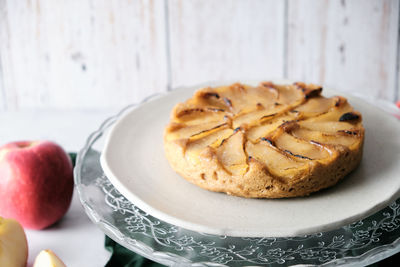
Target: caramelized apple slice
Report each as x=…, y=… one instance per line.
x=334, y=113
x=236, y=97
x=244, y=99
x=197, y=115
x=276, y=162
x=256, y=117
x=263, y=95
x=324, y=138
x=207, y=98
x=316, y=106
x=285, y=93
x=231, y=154
x=309, y=90
x=195, y=147
x=326, y=126
x=265, y=129
x=289, y=96
x=183, y=131
x=206, y=132
x=300, y=148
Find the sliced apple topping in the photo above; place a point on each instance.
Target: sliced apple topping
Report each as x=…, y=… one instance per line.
x=207, y=131
x=263, y=95
x=231, y=153
x=195, y=147
x=310, y=90
x=207, y=98
x=324, y=138
x=192, y=116
x=254, y=118
x=288, y=96
x=238, y=98
x=267, y=127
x=300, y=148
x=316, y=106
x=183, y=131
x=326, y=126
x=276, y=162
x=282, y=131
x=334, y=113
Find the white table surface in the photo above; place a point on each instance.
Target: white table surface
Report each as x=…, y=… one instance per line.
x=75, y=239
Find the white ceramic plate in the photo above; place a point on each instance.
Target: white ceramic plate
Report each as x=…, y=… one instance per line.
x=133, y=159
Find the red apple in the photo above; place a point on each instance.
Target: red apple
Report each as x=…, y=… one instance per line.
x=36, y=183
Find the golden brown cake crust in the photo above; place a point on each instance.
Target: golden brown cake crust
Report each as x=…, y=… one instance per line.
x=267, y=141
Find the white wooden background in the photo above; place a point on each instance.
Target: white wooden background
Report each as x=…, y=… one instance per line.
x=108, y=53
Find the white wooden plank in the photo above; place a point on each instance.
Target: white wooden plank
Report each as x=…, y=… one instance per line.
x=2, y=92
x=87, y=54
x=348, y=45
x=3, y=30
x=224, y=40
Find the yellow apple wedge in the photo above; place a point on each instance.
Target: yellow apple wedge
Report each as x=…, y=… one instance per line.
x=13, y=244
x=47, y=258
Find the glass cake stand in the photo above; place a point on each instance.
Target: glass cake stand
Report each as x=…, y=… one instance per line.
x=357, y=244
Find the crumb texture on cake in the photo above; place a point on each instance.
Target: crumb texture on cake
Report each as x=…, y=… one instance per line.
x=265, y=141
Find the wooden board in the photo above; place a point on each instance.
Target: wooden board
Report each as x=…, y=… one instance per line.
x=224, y=40
x=86, y=54
x=347, y=45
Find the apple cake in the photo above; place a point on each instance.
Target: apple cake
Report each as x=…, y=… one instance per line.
x=265, y=141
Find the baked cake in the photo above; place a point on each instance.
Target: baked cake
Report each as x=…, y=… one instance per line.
x=265, y=141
